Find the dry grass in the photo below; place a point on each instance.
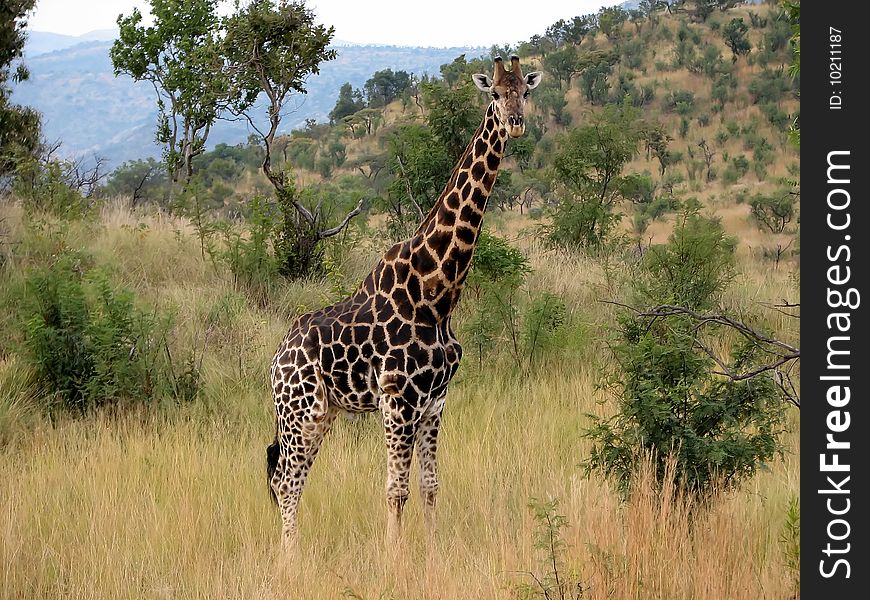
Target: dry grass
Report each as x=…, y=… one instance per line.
x=174, y=505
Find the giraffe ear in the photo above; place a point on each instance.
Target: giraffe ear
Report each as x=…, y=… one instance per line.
x=482, y=82
x=533, y=79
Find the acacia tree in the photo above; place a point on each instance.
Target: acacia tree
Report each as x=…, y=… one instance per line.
x=180, y=56
x=271, y=47
x=719, y=418
x=349, y=101
x=19, y=125
x=587, y=165
x=453, y=114
x=735, y=38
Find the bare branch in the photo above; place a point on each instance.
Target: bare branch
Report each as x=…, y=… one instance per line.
x=408, y=186
x=337, y=229
x=784, y=354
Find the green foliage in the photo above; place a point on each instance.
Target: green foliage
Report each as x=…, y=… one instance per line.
x=453, y=114
x=671, y=404
x=562, y=64
x=723, y=89
x=180, y=56
x=773, y=211
x=504, y=321
x=385, y=86
x=589, y=159
x=567, y=31
x=610, y=20
x=553, y=579
x=790, y=540
x=793, y=13
x=552, y=102
x=595, y=67
x=778, y=118
x=349, y=101
x=498, y=270
x=737, y=168
x=19, y=126
x=90, y=343
x=588, y=163
x=769, y=87
x=681, y=102
x=420, y=166
x=734, y=34
x=272, y=48
x=248, y=253
x=693, y=268
x=626, y=88
x=633, y=53
x=580, y=224
x=544, y=317
x=44, y=186
x=638, y=188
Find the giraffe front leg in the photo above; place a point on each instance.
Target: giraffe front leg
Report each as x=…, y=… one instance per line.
x=399, y=435
x=427, y=446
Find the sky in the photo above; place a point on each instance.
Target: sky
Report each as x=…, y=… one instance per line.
x=442, y=23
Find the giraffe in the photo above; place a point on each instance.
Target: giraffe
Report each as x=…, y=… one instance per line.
x=389, y=347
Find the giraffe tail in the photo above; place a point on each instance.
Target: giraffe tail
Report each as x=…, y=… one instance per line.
x=272, y=453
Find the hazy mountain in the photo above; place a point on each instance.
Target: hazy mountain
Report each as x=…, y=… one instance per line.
x=41, y=42
x=93, y=112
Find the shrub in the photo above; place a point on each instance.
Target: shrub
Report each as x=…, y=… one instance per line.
x=580, y=224
x=736, y=169
x=671, y=404
x=92, y=345
x=723, y=89
x=553, y=580
x=769, y=86
x=497, y=272
x=681, y=102
x=773, y=212
x=693, y=268
x=523, y=326
x=778, y=118
x=249, y=255
x=45, y=186
x=544, y=316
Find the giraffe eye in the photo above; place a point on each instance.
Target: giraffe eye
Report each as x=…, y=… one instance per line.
x=526, y=94
x=495, y=95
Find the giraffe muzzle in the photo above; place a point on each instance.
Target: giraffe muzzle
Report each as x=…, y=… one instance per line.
x=515, y=126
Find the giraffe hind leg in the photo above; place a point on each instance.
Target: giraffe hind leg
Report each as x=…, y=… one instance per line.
x=289, y=458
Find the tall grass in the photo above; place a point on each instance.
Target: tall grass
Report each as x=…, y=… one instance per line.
x=174, y=504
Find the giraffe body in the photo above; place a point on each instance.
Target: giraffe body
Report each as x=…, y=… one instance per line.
x=389, y=347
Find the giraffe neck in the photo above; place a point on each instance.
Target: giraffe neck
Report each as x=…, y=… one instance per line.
x=443, y=246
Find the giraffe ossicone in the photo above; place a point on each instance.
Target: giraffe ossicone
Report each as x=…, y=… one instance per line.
x=389, y=347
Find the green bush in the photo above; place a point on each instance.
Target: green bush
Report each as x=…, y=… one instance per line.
x=671, y=403
x=45, y=186
x=681, y=102
x=497, y=272
x=505, y=321
x=92, y=345
x=554, y=579
x=736, y=169
x=773, y=212
x=248, y=252
x=693, y=268
x=769, y=86
x=580, y=224
x=778, y=118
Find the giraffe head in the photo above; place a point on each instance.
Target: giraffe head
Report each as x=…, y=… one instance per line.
x=509, y=91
